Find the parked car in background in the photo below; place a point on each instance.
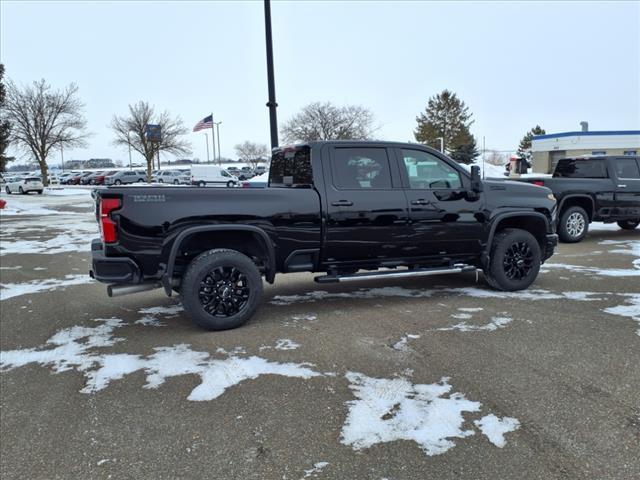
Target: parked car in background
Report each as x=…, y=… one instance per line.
x=54, y=179
x=24, y=185
x=77, y=178
x=259, y=170
x=202, y=175
x=88, y=180
x=174, y=177
x=594, y=189
x=64, y=177
x=98, y=178
x=123, y=177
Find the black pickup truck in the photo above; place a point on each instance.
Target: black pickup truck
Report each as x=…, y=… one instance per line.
x=352, y=210
x=594, y=189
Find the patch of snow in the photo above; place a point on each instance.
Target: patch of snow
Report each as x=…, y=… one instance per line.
x=65, y=192
x=73, y=349
x=317, y=468
x=599, y=226
x=387, y=410
x=286, y=344
x=10, y=290
x=403, y=344
x=17, y=267
x=150, y=315
x=603, y=272
x=471, y=309
x=495, y=324
x=494, y=428
x=631, y=309
x=461, y=316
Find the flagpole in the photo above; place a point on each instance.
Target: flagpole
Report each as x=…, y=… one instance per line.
x=213, y=139
x=206, y=137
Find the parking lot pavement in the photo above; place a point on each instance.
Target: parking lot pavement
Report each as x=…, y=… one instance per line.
x=413, y=379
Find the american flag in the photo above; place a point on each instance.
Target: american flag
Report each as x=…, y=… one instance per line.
x=206, y=122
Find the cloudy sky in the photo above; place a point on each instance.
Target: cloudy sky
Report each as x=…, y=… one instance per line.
x=515, y=64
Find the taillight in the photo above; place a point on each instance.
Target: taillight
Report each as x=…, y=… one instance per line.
x=539, y=183
x=108, y=228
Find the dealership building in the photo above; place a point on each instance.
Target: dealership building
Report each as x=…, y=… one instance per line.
x=547, y=149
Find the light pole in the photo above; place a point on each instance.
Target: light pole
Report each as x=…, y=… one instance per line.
x=62, y=156
x=206, y=138
x=272, y=104
x=217, y=124
x=129, y=143
x=441, y=144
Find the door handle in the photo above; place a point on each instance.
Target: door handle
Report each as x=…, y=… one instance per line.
x=420, y=201
x=342, y=203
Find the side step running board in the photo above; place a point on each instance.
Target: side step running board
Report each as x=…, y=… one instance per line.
x=419, y=272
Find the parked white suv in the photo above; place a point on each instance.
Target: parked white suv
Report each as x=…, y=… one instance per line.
x=24, y=185
x=175, y=177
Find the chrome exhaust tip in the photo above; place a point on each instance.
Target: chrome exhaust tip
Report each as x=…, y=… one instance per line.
x=119, y=290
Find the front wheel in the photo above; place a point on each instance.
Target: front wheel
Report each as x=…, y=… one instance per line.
x=39, y=192
x=176, y=182
x=201, y=184
x=515, y=260
x=6, y=189
x=629, y=224
x=574, y=225
x=221, y=289
x=118, y=182
x=21, y=190
x=230, y=183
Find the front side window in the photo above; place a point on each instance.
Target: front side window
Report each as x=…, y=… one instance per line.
x=361, y=168
x=627, y=168
x=225, y=174
x=630, y=152
x=426, y=171
x=581, y=168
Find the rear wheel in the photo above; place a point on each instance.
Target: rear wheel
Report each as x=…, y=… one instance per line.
x=39, y=192
x=201, y=184
x=6, y=189
x=515, y=260
x=140, y=180
x=118, y=182
x=221, y=289
x=629, y=224
x=574, y=225
x=21, y=190
x=176, y=182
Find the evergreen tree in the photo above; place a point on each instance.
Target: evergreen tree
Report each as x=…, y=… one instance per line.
x=5, y=126
x=447, y=117
x=524, y=149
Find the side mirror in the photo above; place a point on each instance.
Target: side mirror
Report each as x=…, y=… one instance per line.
x=476, y=181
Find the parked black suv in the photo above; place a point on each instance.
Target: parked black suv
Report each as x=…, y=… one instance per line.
x=388, y=209
x=594, y=189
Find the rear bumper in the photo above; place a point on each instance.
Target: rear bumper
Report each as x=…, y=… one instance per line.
x=112, y=269
x=551, y=242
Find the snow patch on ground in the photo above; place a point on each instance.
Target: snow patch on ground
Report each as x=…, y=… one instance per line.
x=601, y=272
x=387, y=410
x=317, y=468
x=10, y=290
x=282, y=344
x=494, y=428
x=150, y=315
x=403, y=344
x=74, y=349
x=631, y=309
x=492, y=326
x=318, y=295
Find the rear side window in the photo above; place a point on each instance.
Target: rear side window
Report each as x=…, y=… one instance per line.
x=361, y=168
x=32, y=179
x=581, y=168
x=291, y=167
x=627, y=168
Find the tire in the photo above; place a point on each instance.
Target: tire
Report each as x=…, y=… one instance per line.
x=574, y=225
x=629, y=224
x=201, y=184
x=8, y=190
x=216, y=267
x=39, y=192
x=160, y=181
x=515, y=260
x=21, y=191
x=176, y=182
x=230, y=183
x=140, y=180
x=118, y=182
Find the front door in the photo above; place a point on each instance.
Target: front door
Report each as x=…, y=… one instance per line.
x=366, y=206
x=445, y=219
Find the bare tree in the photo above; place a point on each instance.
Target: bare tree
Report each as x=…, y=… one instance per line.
x=43, y=119
x=131, y=130
x=5, y=126
x=494, y=157
x=325, y=121
x=252, y=153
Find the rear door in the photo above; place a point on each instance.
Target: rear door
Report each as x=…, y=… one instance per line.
x=627, y=187
x=444, y=219
x=366, y=206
